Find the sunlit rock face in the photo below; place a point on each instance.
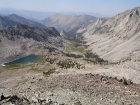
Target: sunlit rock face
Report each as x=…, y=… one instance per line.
x=115, y=39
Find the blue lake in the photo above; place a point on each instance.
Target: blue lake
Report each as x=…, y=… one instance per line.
x=24, y=60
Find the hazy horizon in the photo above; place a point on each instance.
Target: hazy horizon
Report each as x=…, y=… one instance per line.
x=102, y=7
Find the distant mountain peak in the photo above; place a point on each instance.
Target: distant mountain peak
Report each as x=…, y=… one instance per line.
x=67, y=22
x=12, y=15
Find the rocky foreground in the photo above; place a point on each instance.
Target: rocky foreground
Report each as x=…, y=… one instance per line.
x=68, y=89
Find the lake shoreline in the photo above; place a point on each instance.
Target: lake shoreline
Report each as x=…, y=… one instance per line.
x=24, y=60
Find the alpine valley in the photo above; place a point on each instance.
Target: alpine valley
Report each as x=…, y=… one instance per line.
x=83, y=60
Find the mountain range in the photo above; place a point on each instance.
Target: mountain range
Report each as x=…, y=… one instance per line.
x=36, y=15
x=114, y=39
x=91, y=62
x=12, y=20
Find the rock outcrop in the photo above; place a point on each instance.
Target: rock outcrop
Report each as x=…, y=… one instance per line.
x=16, y=100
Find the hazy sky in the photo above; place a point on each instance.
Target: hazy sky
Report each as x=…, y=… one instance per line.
x=107, y=7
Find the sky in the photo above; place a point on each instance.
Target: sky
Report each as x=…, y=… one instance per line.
x=105, y=7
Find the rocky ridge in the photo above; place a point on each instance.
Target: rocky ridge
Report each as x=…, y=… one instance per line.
x=21, y=40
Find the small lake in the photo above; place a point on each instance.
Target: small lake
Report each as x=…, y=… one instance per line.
x=24, y=60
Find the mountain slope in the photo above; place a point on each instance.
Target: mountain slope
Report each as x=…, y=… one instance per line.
x=117, y=38
x=5, y=22
x=67, y=22
x=21, y=40
x=22, y=20
x=13, y=19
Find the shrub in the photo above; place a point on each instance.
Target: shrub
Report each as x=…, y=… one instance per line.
x=50, y=71
x=50, y=60
x=73, y=55
x=65, y=64
x=94, y=58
